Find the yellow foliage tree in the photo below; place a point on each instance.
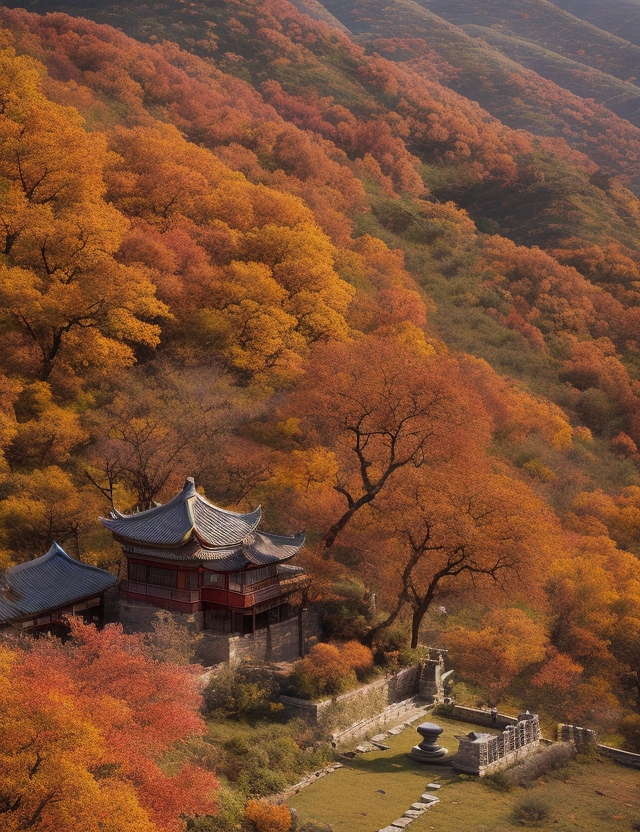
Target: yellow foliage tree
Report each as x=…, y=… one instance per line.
x=65, y=298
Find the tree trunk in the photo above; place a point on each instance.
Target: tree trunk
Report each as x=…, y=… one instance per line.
x=373, y=632
x=416, y=621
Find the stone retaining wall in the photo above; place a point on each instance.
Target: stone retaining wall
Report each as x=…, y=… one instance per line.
x=626, y=758
x=409, y=709
x=359, y=704
x=576, y=735
x=279, y=642
x=479, y=716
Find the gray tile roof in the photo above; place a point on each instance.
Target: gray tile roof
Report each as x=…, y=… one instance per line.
x=270, y=548
x=48, y=582
x=186, y=516
x=260, y=549
x=190, y=528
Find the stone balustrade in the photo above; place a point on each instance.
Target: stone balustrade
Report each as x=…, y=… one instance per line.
x=482, y=754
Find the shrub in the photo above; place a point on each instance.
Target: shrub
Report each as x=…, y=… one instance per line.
x=345, y=619
x=323, y=672
x=270, y=759
x=248, y=691
x=629, y=727
x=549, y=759
x=532, y=812
x=229, y=814
x=357, y=656
x=268, y=817
x=171, y=640
x=330, y=669
x=500, y=780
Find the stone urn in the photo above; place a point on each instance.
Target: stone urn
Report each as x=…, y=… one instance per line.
x=428, y=751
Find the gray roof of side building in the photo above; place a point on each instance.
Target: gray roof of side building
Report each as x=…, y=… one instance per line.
x=51, y=581
x=186, y=516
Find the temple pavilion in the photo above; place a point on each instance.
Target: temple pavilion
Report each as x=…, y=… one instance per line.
x=190, y=556
x=40, y=594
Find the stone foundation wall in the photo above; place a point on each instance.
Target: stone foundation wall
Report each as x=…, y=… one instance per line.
x=276, y=643
x=212, y=649
x=279, y=642
x=138, y=618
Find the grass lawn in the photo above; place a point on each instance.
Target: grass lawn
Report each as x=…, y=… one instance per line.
x=374, y=789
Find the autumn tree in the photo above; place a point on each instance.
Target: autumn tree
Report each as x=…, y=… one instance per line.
x=85, y=724
x=44, y=506
x=381, y=406
x=136, y=708
x=50, y=759
x=453, y=529
x=159, y=424
x=66, y=299
x=508, y=643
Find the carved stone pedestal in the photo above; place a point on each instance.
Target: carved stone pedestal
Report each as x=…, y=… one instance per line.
x=428, y=751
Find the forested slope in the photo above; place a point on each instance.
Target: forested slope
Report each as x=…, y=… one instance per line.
x=310, y=272
x=620, y=17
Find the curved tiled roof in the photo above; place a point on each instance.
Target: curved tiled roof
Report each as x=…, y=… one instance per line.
x=270, y=548
x=48, y=582
x=260, y=549
x=186, y=516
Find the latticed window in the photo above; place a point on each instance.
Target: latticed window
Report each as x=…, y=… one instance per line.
x=256, y=576
x=235, y=581
x=138, y=572
x=161, y=577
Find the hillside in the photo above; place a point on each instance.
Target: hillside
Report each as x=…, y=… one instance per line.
x=508, y=90
x=620, y=17
x=621, y=97
x=377, y=277
x=543, y=23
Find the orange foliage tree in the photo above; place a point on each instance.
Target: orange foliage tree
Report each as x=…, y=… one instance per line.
x=382, y=406
x=86, y=725
x=459, y=526
x=508, y=643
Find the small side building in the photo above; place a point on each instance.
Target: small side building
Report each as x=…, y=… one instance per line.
x=39, y=594
x=190, y=556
